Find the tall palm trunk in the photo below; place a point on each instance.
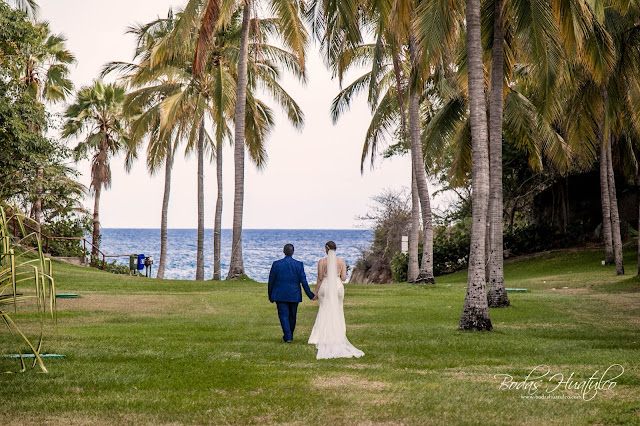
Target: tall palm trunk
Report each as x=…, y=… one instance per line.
x=604, y=189
x=95, y=237
x=165, y=213
x=413, y=268
x=236, y=266
x=417, y=160
x=497, y=295
x=37, y=204
x=615, y=219
x=475, y=314
x=217, y=226
x=200, y=244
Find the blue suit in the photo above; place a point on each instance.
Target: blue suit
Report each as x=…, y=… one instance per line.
x=285, y=278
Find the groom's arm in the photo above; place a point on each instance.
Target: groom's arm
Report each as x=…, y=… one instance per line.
x=305, y=284
x=272, y=280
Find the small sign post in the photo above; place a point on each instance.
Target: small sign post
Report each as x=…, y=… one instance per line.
x=405, y=244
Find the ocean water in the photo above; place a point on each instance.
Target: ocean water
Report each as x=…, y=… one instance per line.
x=260, y=247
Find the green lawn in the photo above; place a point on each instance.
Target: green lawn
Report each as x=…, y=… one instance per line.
x=156, y=352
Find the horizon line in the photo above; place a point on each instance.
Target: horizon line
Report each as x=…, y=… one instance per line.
x=257, y=229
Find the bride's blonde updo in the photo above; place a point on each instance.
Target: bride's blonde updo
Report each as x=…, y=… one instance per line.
x=330, y=245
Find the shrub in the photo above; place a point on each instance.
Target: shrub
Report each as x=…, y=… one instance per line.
x=529, y=239
x=451, y=247
x=113, y=267
x=399, y=267
x=75, y=227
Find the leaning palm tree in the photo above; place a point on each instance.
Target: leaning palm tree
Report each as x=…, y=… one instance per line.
x=96, y=115
x=151, y=85
x=395, y=48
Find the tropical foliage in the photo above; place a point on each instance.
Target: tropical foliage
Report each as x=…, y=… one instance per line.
x=21, y=270
x=97, y=115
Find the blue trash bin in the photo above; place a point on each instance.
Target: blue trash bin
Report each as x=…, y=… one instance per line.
x=140, y=266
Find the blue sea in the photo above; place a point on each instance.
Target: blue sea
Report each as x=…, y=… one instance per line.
x=260, y=247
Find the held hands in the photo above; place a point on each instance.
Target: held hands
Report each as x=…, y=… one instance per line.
x=315, y=297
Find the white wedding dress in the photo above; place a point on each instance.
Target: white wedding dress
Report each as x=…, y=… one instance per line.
x=329, y=333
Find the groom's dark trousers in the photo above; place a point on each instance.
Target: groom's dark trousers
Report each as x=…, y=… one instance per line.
x=285, y=278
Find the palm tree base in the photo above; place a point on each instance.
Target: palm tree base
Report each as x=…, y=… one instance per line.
x=498, y=298
x=235, y=274
x=475, y=319
x=424, y=279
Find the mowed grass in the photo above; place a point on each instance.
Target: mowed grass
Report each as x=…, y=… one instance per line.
x=145, y=351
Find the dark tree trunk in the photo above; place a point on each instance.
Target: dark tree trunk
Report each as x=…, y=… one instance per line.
x=615, y=219
x=638, y=195
x=95, y=237
x=604, y=190
x=512, y=215
x=37, y=204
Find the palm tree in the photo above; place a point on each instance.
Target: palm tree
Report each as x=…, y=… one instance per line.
x=496, y=295
x=212, y=17
x=342, y=41
x=417, y=160
x=214, y=94
x=294, y=37
x=143, y=105
x=30, y=7
x=608, y=90
x=97, y=114
x=236, y=265
x=46, y=78
x=475, y=313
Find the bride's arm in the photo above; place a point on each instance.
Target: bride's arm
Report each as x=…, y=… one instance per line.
x=319, y=279
x=320, y=276
x=343, y=270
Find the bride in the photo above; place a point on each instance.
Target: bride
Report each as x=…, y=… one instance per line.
x=329, y=333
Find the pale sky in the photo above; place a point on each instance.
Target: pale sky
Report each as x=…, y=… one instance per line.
x=312, y=178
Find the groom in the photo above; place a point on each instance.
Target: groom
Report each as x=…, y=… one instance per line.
x=284, y=288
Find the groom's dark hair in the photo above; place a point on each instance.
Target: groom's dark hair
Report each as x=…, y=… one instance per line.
x=288, y=250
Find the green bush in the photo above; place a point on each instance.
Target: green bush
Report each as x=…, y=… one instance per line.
x=450, y=252
x=451, y=247
x=112, y=266
x=399, y=267
x=529, y=239
x=74, y=227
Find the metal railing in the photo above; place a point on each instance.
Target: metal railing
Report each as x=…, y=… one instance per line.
x=48, y=238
